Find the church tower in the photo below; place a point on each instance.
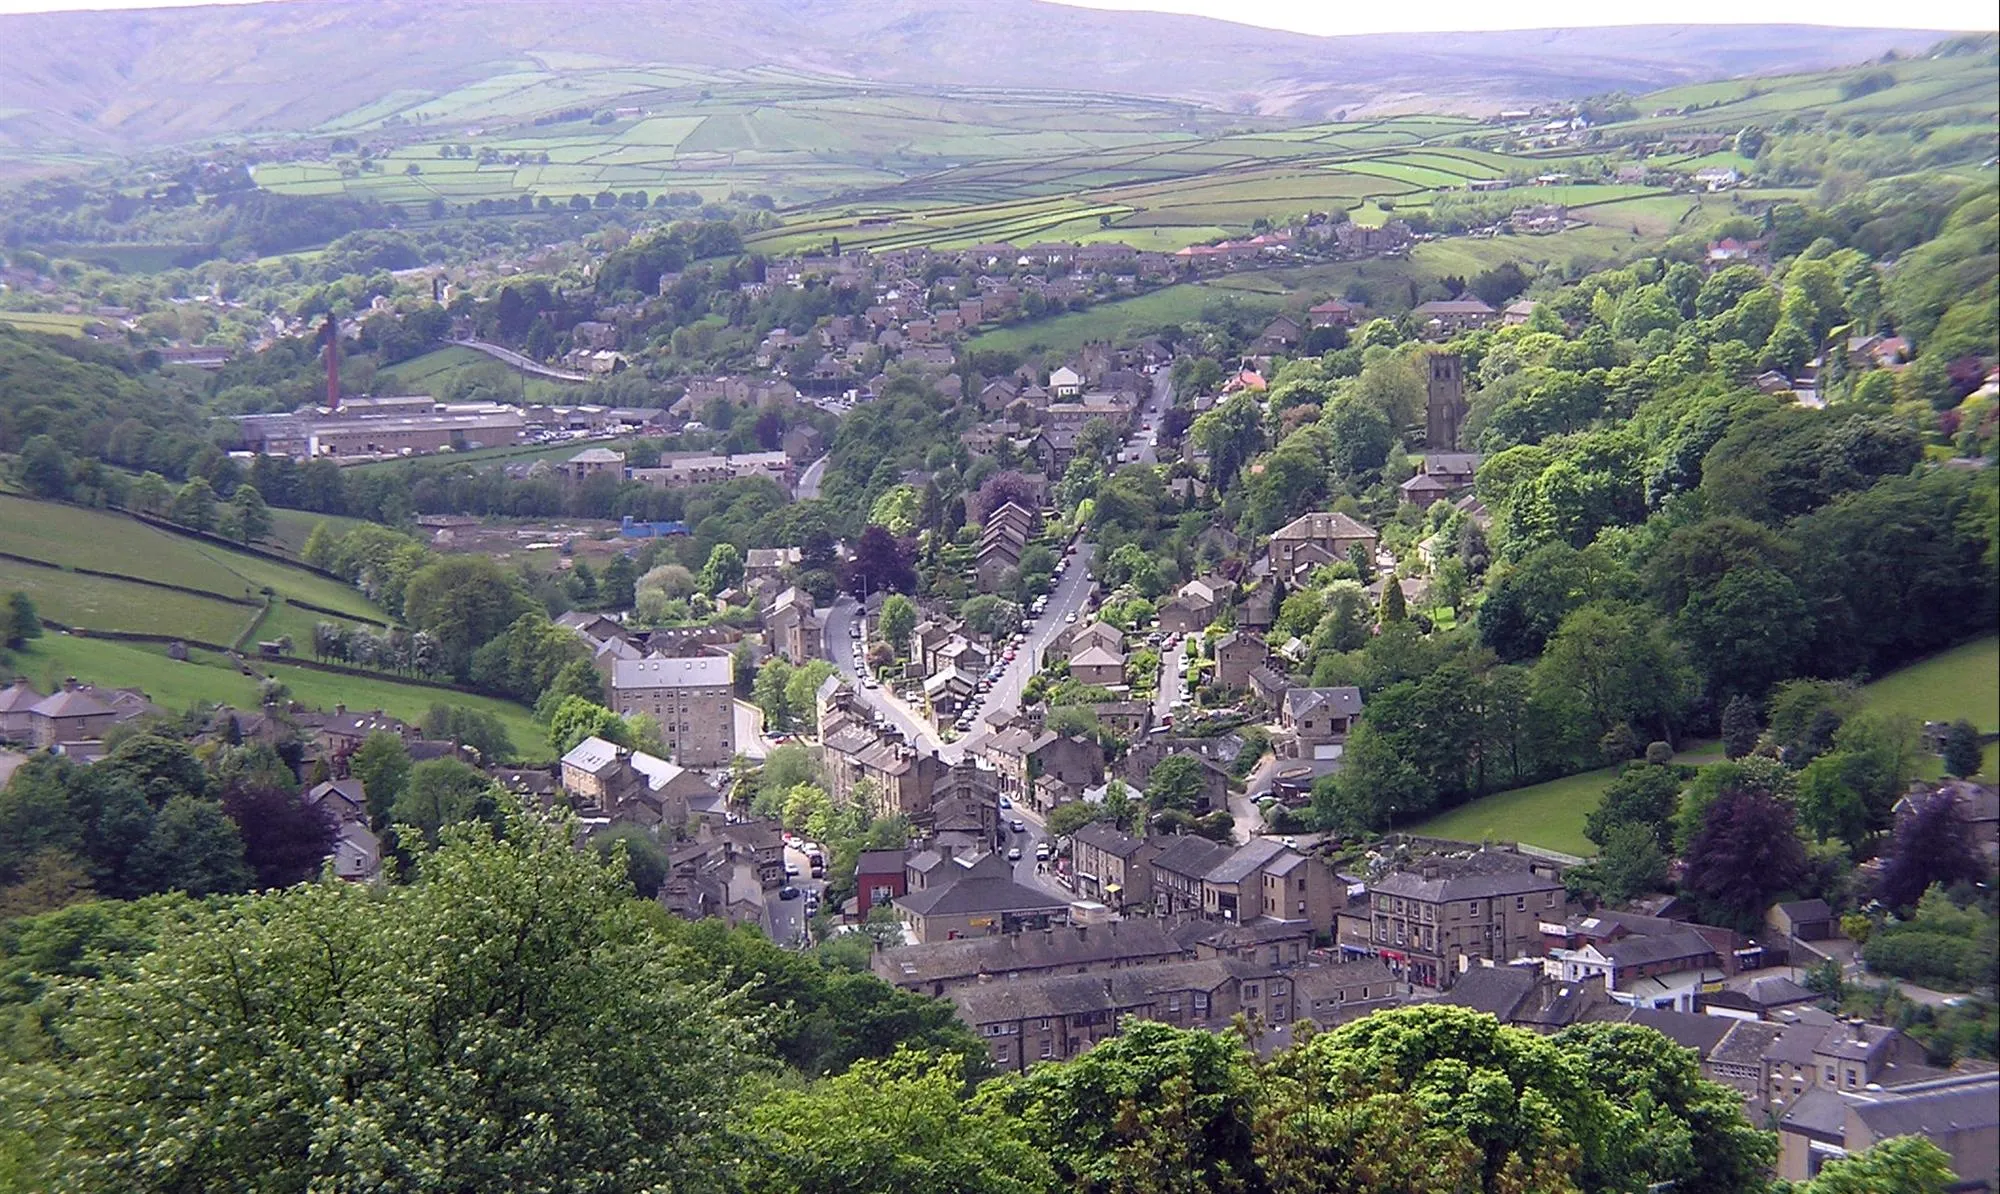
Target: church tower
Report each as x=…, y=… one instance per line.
x=1444, y=405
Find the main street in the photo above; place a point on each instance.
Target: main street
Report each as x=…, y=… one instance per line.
x=1067, y=604
x=1173, y=669
x=1144, y=443
x=837, y=622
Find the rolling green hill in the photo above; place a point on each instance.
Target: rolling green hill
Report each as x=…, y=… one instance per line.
x=217, y=595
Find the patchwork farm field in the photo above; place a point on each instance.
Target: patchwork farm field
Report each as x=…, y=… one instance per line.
x=68, y=537
x=208, y=677
x=99, y=603
x=49, y=324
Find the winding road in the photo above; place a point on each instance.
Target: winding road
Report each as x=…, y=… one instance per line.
x=525, y=364
x=807, y=487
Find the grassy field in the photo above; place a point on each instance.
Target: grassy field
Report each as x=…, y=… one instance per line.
x=77, y=538
x=99, y=604
x=71, y=537
x=434, y=372
x=290, y=528
x=206, y=677
x=1548, y=815
x=36, y=321
x=1962, y=683
x=1111, y=321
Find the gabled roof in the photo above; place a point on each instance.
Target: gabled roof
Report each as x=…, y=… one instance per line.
x=1324, y=524
x=1495, y=990
x=70, y=702
x=1345, y=701
x=979, y=895
x=343, y=795
x=18, y=697
x=1190, y=855
x=1483, y=875
x=660, y=773
x=591, y=755
x=1097, y=656
x=1104, y=836
x=1248, y=859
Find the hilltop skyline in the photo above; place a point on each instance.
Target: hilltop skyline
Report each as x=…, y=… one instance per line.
x=1454, y=16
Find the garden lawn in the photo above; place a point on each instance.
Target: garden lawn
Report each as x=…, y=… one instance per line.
x=1549, y=815
x=206, y=677
x=324, y=690
x=1962, y=683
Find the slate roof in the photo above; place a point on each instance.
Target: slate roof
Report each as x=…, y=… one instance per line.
x=1074, y=994
x=593, y=754
x=979, y=895
x=71, y=702
x=1966, y=1105
x=1324, y=524
x=1345, y=701
x=709, y=671
x=879, y=862
x=968, y=957
x=1689, y=1031
x=1495, y=990
x=1246, y=860
x=17, y=697
x=1483, y=875
x=1190, y=855
x=1656, y=947
x=1106, y=837
x=1096, y=656
x=1745, y=1044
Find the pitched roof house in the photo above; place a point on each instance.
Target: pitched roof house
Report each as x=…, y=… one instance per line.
x=1322, y=537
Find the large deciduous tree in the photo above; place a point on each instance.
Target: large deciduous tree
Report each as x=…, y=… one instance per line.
x=505, y=1022
x=1747, y=851
x=462, y=602
x=285, y=839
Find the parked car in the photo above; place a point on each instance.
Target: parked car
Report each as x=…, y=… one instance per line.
x=788, y=892
x=1006, y=803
